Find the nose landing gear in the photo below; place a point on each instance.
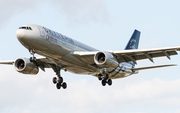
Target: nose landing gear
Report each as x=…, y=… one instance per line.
x=32, y=51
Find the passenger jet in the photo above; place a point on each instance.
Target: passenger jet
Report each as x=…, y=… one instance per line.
x=60, y=52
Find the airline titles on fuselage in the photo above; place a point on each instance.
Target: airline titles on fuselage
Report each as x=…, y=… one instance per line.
x=54, y=36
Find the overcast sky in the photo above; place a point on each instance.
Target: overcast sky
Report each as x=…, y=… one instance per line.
x=102, y=24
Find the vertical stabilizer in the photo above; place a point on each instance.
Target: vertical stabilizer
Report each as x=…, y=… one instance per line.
x=134, y=41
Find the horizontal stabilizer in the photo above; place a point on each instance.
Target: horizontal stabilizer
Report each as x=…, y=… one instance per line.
x=137, y=69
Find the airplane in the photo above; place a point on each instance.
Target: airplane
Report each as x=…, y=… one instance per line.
x=60, y=52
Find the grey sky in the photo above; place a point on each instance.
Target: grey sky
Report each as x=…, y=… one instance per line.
x=82, y=10
x=75, y=11
x=9, y=8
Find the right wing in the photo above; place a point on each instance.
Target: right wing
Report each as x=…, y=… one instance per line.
x=41, y=62
x=10, y=62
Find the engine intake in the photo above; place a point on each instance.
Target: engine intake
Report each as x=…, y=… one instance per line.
x=26, y=67
x=105, y=59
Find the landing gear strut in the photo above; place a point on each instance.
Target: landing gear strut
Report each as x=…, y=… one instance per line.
x=105, y=79
x=59, y=80
x=32, y=51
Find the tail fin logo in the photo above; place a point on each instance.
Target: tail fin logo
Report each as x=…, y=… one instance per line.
x=132, y=44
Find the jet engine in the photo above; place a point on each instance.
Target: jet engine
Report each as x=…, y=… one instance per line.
x=24, y=66
x=105, y=59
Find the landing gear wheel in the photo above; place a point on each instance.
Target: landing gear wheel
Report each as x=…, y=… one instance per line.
x=109, y=82
x=103, y=82
x=100, y=77
x=60, y=80
x=32, y=59
x=54, y=80
x=64, y=85
x=58, y=85
x=106, y=76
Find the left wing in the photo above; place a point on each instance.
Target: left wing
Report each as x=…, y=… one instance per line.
x=142, y=68
x=140, y=54
x=130, y=55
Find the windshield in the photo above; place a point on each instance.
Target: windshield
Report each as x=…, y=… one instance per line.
x=27, y=28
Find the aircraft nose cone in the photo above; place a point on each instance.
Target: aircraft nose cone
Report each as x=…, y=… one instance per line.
x=19, y=34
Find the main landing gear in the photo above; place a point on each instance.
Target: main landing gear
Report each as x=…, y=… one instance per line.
x=59, y=80
x=56, y=80
x=105, y=79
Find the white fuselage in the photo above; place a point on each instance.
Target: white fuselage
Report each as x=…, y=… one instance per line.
x=58, y=49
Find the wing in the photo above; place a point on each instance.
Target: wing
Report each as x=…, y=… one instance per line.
x=130, y=55
x=140, y=54
x=42, y=62
x=9, y=62
x=142, y=68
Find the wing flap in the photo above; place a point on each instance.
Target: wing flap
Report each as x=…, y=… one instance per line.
x=149, y=55
x=137, y=51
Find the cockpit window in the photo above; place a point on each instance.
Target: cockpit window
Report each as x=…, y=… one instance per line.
x=27, y=28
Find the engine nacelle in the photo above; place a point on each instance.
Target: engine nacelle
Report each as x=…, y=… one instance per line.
x=105, y=59
x=25, y=66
